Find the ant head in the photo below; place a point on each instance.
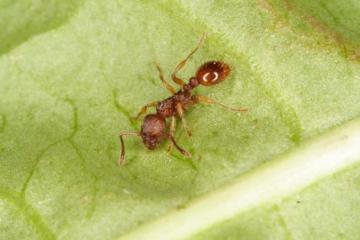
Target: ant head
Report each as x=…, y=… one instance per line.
x=150, y=142
x=212, y=72
x=153, y=130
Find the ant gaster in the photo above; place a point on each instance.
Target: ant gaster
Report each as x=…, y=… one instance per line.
x=153, y=130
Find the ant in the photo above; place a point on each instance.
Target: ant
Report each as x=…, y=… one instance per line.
x=153, y=130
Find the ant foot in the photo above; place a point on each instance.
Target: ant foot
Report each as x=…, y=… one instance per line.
x=186, y=154
x=121, y=161
x=170, y=147
x=188, y=133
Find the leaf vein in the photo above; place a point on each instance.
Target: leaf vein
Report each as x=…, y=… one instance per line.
x=31, y=215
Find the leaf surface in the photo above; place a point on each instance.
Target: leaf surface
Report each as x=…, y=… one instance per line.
x=73, y=74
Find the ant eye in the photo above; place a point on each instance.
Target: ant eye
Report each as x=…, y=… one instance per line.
x=212, y=73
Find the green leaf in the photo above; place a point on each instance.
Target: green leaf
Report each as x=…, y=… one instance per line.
x=72, y=74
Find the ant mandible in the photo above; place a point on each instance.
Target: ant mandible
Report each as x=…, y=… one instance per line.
x=153, y=130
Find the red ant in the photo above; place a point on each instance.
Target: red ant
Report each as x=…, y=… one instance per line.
x=153, y=130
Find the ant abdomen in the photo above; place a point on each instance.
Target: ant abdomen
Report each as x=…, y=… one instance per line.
x=212, y=72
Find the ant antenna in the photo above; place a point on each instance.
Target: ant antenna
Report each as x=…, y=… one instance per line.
x=122, y=153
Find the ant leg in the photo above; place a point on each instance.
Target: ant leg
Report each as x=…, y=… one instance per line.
x=145, y=108
x=207, y=100
x=183, y=62
x=121, y=160
x=165, y=84
x=181, y=150
x=172, y=132
x=180, y=112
